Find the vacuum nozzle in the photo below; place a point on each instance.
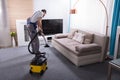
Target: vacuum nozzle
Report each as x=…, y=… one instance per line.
x=46, y=45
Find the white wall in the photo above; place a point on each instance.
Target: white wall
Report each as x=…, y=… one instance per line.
x=56, y=9
x=91, y=15
x=5, y=39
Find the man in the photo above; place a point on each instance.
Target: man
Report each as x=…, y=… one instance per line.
x=35, y=22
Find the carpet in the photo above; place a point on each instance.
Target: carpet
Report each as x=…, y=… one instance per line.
x=14, y=65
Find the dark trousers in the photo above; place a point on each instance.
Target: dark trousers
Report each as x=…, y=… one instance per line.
x=35, y=43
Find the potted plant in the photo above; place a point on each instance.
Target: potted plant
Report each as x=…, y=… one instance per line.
x=13, y=34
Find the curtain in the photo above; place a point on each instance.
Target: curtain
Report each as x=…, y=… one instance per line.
x=115, y=23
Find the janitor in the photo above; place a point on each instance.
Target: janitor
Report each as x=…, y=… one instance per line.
x=33, y=23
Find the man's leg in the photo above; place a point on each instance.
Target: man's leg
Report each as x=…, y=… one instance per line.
x=35, y=43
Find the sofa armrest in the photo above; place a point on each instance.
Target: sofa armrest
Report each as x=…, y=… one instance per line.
x=61, y=35
x=103, y=41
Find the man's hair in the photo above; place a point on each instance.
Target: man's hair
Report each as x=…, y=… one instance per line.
x=43, y=10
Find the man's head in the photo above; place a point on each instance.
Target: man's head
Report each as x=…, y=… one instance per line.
x=44, y=12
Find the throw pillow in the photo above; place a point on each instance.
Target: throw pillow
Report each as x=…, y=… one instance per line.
x=88, y=38
x=78, y=37
x=71, y=34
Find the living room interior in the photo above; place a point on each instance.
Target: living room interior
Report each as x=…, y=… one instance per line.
x=95, y=60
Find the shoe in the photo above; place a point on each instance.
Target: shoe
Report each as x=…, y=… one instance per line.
x=40, y=55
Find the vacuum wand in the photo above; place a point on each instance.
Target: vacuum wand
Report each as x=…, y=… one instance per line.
x=46, y=44
x=42, y=34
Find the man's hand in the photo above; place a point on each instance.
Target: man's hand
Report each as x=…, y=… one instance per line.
x=40, y=29
x=39, y=23
x=40, y=32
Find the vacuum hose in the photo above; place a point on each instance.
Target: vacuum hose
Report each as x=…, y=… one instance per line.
x=39, y=32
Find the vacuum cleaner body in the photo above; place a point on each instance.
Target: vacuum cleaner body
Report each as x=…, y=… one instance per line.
x=38, y=65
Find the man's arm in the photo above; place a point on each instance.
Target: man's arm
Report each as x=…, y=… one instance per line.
x=40, y=24
x=40, y=29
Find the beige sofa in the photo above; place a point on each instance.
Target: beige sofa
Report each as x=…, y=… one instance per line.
x=88, y=48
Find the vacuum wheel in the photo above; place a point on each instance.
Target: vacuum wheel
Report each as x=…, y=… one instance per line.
x=30, y=72
x=46, y=68
x=41, y=73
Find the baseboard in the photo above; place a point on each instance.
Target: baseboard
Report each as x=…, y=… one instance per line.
x=5, y=46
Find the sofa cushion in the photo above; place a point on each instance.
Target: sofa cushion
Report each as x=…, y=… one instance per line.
x=78, y=37
x=87, y=47
x=68, y=44
x=71, y=33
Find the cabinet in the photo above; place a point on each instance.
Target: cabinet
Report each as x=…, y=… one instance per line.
x=22, y=34
x=117, y=44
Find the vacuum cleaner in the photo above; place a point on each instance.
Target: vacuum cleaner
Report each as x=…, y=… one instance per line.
x=39, y=63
